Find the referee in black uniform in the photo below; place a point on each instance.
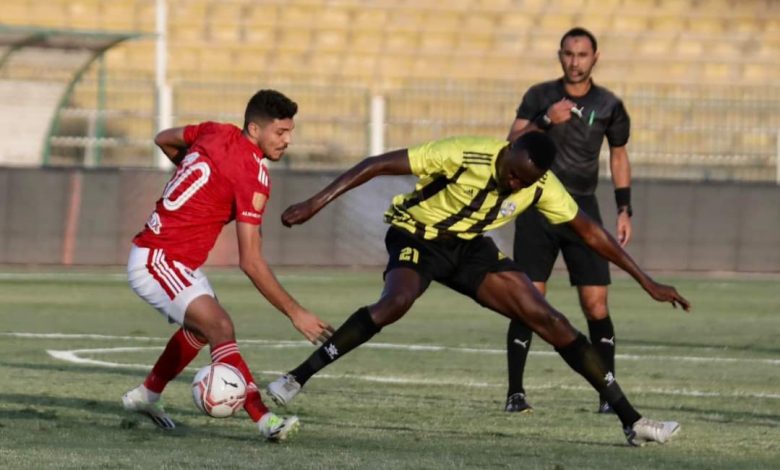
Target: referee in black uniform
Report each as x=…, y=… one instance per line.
x=577, y=114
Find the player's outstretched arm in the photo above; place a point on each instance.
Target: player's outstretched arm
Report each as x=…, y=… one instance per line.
x=597, y=238
x=254, y=265
x=171, y=142
x=391, y=163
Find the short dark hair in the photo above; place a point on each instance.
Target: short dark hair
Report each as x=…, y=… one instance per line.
x=267, y=105
x=540, y=147
x=578, y=32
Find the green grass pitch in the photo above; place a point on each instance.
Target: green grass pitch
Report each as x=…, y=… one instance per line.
x=426, y=393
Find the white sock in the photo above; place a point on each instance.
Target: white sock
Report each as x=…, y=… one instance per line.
x=149, y=395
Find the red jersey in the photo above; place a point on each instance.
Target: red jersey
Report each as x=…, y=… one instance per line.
x=224, y=177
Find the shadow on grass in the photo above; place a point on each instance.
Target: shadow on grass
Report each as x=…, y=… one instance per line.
x=49, y=408
x=680, y=344
x=719, y=415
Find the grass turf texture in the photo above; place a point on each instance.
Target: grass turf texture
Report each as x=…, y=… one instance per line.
x=715, y=370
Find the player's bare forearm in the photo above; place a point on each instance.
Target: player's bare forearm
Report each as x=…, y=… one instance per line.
x=391, y=163
x=171, y=142
x=598, y=239
x=254, y=265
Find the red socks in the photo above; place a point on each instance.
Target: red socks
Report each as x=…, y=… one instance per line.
x=227, y=352
x=180, y=351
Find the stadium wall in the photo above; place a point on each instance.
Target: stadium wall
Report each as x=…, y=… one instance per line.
x=88, y=217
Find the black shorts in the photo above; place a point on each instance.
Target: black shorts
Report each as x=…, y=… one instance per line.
x=537, y=244
x=456, y=263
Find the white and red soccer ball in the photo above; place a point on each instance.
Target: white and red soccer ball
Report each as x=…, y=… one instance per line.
x=219, y=390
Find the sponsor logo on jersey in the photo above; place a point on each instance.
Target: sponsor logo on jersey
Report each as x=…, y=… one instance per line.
x=254, y=215
x=508, y=208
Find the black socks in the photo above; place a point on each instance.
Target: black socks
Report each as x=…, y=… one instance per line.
x=518, y=343
x=358, y=329
x=602, y=336
x=582, y=357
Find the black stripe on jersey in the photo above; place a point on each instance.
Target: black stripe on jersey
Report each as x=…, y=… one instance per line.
x=537, y=195
x=477, y=158
x=491, y=216
x=431, y=189
x=466, y=211
x=476, y=162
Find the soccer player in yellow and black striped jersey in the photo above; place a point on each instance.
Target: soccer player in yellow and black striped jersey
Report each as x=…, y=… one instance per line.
x=467, y=186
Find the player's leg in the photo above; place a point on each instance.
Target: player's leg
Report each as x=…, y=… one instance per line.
x=167, y=286
x=402, y=287
x=512, y=294
x=205, y=315
x=589, y=272
x=406, y=278
x=535, y=251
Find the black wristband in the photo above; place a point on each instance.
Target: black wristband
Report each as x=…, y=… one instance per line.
x=623, y=200
x=542, y=121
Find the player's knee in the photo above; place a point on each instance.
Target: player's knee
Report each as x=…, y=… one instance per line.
x=391, y=308
x=220, y=330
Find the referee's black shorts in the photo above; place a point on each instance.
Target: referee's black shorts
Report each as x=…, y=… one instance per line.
x=537, y=244
x=456, y=263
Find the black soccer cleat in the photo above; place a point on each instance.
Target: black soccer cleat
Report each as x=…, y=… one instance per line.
x=515, y=403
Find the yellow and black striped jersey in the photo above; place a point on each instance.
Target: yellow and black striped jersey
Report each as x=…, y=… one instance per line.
x=457, y=194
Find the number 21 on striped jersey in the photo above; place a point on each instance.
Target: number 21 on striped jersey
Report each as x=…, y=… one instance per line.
x=409, y=254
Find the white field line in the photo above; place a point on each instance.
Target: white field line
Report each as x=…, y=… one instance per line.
x=280, y=344
x=73, y=356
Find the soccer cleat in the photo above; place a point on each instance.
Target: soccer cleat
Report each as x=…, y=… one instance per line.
x=134, y=400
x=283, y=389
x=515, y=403
x=647, y=430
x=605, y=408
x=275, y=428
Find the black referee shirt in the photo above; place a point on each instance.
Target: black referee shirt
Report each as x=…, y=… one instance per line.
x=579, y=139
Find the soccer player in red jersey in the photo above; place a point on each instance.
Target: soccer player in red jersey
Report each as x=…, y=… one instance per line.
x=221, y=175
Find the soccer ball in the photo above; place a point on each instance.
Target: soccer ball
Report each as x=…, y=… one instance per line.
x=219, y=390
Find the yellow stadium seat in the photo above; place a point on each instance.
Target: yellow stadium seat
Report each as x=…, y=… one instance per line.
x=480, y=22
x=434, y=41
x=369, y=18
x=265, y=17
x=556, y=22
x=655, y=45
x=401, y=41
x=704, y=25
x=54, y=14
x=629, y=24
x=83, y=14
x=366, y=41
x=118, y=15
x=333, y=16
x=330, y=40
x=667, y=24
x=597, y=23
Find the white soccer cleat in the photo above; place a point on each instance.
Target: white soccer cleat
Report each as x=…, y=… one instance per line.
x=134, y=400
x=275, y=428
x=283, y=389
x=647, y=430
